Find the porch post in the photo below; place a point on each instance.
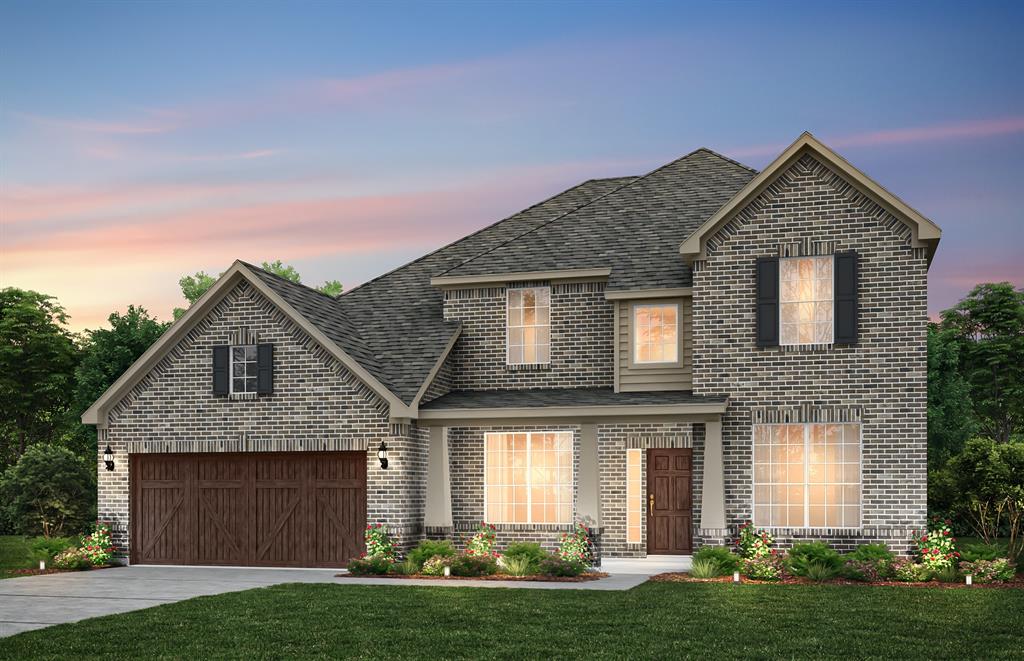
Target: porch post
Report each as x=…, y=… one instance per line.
x=589, y=496
x=712, y=505
x=438, y=513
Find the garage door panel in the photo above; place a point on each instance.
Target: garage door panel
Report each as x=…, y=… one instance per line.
x=265, y=509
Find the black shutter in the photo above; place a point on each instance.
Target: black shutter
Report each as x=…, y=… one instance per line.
x=265, y=369
x=767, y=301
x=220, y=370
x=846, y=309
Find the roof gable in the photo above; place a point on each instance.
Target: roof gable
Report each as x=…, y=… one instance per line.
x=925, y=232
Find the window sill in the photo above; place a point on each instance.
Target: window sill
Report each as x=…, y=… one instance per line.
x=242, y=396
x=528, y=367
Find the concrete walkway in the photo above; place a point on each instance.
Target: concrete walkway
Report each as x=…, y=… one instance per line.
x=34, y=602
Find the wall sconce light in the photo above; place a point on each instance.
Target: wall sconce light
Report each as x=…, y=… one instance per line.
x=108, y=458
x=382, y=454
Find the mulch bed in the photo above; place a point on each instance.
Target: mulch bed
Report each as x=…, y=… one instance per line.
x=588, y=576
x=681, y=577
x=51, y=570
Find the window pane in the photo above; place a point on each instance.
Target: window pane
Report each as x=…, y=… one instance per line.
x=238, y=353
x=806, y=300
x=239, y=385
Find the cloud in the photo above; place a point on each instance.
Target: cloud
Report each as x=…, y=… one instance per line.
x=106, y=127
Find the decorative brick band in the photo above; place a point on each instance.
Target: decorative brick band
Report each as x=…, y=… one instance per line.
x=243, y=335
x=242, y=396
x=468, y=294
x=590, y=287
x=532, y=367
x=245, y=444
x=519, y=527
x=807, y=247
x=805, y=413
x=660, y=441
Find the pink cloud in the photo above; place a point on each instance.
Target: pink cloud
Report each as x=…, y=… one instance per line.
x=80, y=125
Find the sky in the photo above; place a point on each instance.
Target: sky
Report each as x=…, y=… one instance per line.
x=143, y=141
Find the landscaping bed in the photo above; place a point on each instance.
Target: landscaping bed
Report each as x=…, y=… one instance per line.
x=1017, y=583
x=586, y=576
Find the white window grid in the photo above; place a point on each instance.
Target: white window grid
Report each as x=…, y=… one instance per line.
x=634, y=495
x=805, y=300
x=556, y=493
x=528, y=327
x=244, y=368
x=813, y=494
x=665, y=349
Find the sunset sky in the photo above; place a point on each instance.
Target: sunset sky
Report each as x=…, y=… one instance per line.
x=143, y=141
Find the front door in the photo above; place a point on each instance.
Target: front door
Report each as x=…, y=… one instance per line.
x=669, y=503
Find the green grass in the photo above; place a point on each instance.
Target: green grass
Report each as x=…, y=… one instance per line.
x=655, y=620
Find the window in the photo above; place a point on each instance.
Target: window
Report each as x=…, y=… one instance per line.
x=807, y=476
x=655, y=333
x=243, y=369
x=805, y=299
x=634, y=495
x=528, y=477
x=529, y=326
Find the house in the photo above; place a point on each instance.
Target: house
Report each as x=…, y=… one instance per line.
x=665, y=356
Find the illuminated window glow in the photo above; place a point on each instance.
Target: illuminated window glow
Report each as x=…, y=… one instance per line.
x=529, y=326
x=805, y=300
x=655, y=333
x=634, y=495
x=528, y=477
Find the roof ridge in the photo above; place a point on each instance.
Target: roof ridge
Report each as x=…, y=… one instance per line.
x=582, y=206
x=472, y=234
x=283, y=279
x=727, y=159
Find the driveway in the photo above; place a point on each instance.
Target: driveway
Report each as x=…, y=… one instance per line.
x=34, y=602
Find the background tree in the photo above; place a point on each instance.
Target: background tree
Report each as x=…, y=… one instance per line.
x=195, y=285
x=50, y=491
x=37, y=361
x=988, y=326
x=950, y=412
x=107, y=353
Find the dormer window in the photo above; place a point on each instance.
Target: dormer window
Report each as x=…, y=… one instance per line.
x=529, y=326
x=655, y=334
x=805, y=300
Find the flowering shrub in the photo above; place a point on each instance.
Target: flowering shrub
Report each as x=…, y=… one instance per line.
x=989, y=571
x=481, y=544
x=371, y=565
x=379, y=542
x=754, y=543
x=554, y=565
x=473, y=565
x=97, y=547
x=764, y=567
x=70, y=559
x=908, y=571
x=935, y=547
x=435, y=566
x=576, y=546
x=866, y=570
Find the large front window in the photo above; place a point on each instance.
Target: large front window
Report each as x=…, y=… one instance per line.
x=805, y=300
x=528, y=477
x=529, y=326
x=656, y=333
x=807, y=476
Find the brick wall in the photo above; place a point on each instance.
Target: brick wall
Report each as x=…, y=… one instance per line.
x=811, y=210
x=582, y=342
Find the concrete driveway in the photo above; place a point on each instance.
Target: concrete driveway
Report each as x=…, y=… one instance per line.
x=34, y=602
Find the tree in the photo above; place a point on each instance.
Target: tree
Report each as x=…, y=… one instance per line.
x=194, y=286
x=50, y=491
x=950, y=413
x=37, y=360
x=988, y=325
x=989, y=484
x=107, y=353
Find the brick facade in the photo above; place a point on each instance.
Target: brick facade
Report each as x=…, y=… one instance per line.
x=811, y=210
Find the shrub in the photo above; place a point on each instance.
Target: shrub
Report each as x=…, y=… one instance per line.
x=97, y=547
x=529, y=550
x=473, y=565
x=518, y=565
x=705, y=568
x=71, y=559
x=51, y=546
x=982, y=551
x=908, y=571
x=819, y=571
x=406, y=567
x=947, y=574
x=481, y=543
x=379, y=542
x=871, y=552
x=576, y=546
x=989, y=571
x=427, y=549
x=725, y=560
x=935, y=547
x=50, y=491
x=764, y=568
x=435, y=566
x=556, y=566
x=802, y=555
x=753, y=543
x=866, y=570
x=371, y=565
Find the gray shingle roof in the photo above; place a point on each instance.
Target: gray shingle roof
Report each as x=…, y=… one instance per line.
x=547, y=397
x=635, y=230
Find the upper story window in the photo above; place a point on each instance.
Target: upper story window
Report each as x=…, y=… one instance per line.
x=529, y=326
x=805, y=300
x=244, y=369
x=656, y=333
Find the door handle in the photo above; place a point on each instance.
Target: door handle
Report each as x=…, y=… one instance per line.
x=650, y=504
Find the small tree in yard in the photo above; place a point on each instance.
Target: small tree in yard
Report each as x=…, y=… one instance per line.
x=49, y=491
x=989, y=480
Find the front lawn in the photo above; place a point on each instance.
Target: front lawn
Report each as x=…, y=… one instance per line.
x=653, y=620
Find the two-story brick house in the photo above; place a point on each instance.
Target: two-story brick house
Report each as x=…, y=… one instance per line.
x=664, y=356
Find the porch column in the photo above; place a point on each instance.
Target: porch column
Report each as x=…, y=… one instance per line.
x=712, y=505
x=589, y=495
x=438, y=513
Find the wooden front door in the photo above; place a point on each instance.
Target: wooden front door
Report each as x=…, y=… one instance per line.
x=278, y=509
x=669, y=502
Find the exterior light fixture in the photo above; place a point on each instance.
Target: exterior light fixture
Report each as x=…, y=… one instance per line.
x=735, y=577
x=108, y=458
x=382, y=454
x=447, y=571
x=969, y=580
x=42, y=565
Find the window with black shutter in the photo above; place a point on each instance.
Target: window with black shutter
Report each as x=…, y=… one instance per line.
x=847, y=306
x=767, y=301
x=221, y=360
x=265, y=369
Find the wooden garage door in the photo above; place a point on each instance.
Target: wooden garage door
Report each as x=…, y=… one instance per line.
x=304, y=509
